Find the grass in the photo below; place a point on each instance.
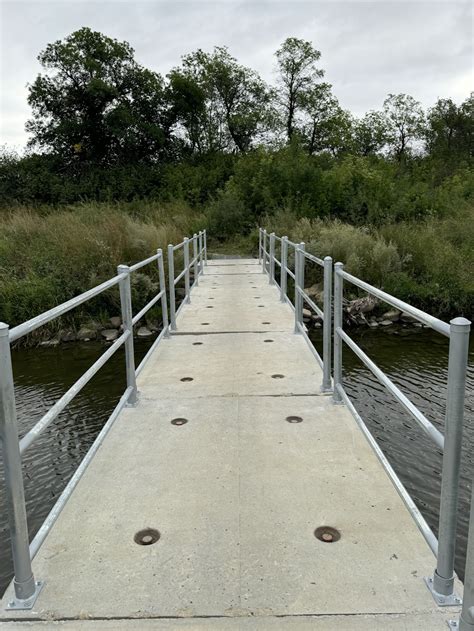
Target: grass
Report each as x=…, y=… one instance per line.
x=48, y=256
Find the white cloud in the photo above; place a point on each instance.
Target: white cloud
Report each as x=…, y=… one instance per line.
x=368, y=48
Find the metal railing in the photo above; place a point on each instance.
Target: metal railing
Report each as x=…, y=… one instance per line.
x=26, y=588
x=441, y=584
x=199, y=247
x=288, y=250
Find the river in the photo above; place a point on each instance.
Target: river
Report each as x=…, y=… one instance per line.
x=416, y=360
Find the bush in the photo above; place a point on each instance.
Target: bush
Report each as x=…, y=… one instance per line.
x=227, y=215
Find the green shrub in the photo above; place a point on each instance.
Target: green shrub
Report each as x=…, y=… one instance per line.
x=227, y=215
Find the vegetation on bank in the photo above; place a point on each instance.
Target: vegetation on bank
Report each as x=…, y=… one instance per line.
x=122, y=161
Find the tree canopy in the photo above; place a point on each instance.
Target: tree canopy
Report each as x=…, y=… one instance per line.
x=94, y=104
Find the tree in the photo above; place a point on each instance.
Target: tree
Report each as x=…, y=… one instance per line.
x=370, y=134
x=404, y=117
x=225, y=105
x=450, y=129
x=298, y=73
x=325, y=126
x=97, y=105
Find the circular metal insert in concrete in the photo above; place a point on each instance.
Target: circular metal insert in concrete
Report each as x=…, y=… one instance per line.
x=187, y=379
x=278, y=376
x=261, y=305
x=294, y=419
x=179, y=421
x=209, y=307
x=146, y=537
x=327, y=534
x=268, y=341
x=198, y=343
x=266, y=322
x=204, y=323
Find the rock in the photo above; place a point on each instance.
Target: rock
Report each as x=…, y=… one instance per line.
x=109, y=334
x=317, y=325
x=153, y=326
x=393, y=315
x=315, y=291
x=144, y=331
x=386, y=322
x=115, y=322
x=48, y=343
x=316, y=318
x=407, y=318
x=307, y=313
x=85, y=334
x=67, y=336
x=362, y=305
x=373, y=324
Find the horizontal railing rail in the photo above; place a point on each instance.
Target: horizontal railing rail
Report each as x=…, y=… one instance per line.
x=26, y=588
x=441, y=584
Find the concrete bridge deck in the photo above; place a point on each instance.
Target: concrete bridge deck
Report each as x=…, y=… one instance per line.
x=236, y=493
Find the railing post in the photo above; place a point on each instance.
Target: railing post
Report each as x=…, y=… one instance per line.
x=26, y=588
x=299, y=284
x=127, y=324
x=164, y=301
x=259, y=245
x=442, y=583
x=200, y=252
x=195, y=259
x=186, y=273
x=171, y=287
x=327, y=324
x=271, y=278
x=284, y=266
x=338, y=294
x=264, y=256
x=205, y=247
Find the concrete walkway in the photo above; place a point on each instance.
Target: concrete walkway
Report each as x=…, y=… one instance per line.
x=235, y=492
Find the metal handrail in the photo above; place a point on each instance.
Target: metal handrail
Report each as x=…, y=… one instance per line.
x=441, y=584
x=421, y=316
x=26, y=588
x=199, y=259
x=55, y=312
x=269, y=261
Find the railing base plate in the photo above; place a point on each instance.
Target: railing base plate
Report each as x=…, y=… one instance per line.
x=440, y=599
x=27, y=603
x=453, y=625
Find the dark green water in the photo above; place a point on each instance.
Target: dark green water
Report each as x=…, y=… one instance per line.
x=415, y=359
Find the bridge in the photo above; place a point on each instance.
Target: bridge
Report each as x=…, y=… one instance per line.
x=235, y=486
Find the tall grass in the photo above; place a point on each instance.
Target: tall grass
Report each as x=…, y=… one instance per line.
x=428, y=263
x=49, y=256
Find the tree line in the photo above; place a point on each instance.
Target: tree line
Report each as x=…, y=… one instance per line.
x=95, y=107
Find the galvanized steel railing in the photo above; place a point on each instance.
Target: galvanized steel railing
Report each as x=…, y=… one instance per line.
x=25, y=586
x=441, y=584
x=269, y=260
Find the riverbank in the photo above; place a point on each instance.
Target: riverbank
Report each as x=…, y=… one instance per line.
x=48, y=255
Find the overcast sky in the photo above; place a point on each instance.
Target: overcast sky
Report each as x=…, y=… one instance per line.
x=368, y=48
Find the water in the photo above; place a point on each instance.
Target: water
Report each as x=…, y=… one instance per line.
x=415, y=359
